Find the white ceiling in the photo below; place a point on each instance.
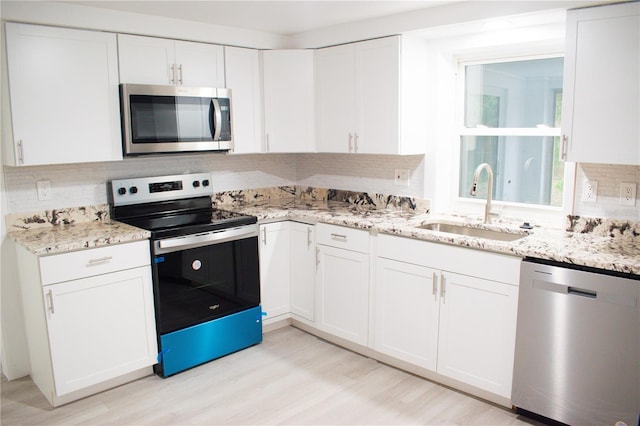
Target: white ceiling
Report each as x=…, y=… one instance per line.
x=277, y=17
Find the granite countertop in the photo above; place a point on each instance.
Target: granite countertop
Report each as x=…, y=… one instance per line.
x=598, y=243
x=70, y=237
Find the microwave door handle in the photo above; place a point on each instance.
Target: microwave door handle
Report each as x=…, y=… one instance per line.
x=217, y=116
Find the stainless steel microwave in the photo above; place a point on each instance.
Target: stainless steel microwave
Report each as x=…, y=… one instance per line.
x=175, y=119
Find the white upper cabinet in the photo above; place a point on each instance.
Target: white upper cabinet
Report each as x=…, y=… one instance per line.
x=371, y=97
x=242, y=69
x=64, y=101
x=288, y=81
x=601, y=101
x=150, y=60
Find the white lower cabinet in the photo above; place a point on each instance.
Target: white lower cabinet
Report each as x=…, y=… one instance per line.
x=274, y=270
x=477, y=332
x=343, y=282
x=99, y=327
x=406, y=310
x=448, y=309
x=89, y=317
x=302, y=269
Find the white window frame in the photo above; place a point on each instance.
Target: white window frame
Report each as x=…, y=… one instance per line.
x=548, y=215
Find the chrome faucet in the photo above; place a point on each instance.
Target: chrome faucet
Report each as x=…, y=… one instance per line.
x=474, y=187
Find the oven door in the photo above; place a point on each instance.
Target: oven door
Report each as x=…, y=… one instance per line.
x=198, y=278
x=165, y=119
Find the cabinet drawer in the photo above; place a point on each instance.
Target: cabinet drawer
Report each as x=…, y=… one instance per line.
x=96, y=261
x=342, y=237
x=472, y=262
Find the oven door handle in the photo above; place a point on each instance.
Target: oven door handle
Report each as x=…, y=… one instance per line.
x=206, y=238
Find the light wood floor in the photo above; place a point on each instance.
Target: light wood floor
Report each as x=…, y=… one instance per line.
x=291, y=378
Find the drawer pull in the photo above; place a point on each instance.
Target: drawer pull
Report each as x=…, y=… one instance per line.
x=339, y=236
x=98, y=260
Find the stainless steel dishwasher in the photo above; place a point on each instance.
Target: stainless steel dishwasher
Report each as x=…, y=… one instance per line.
x=577, y=358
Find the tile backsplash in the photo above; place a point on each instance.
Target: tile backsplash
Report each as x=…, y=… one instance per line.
x=609, y=178
x=74, y=185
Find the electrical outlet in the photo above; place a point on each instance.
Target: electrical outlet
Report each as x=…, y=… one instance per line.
x=44, y=190
x=590, y=191
x=401, y=177
x=628, y=194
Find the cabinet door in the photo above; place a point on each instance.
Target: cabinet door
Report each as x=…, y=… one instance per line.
x=100, y=328
x=601, y=101
x=146, y=60
x=335, y=74
x=377, y=96
x=477, y=332
x=303, y=261
x=406, y=310
x=274, y=269
x=288, y=100
x=243, y=78
x=343, y=293
x=64, y=95
x=199, y=64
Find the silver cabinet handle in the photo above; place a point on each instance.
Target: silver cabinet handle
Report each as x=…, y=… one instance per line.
x=264, y=236
x=51, y=308
x=339, y=236
x=435, y=284
x=309, y=232
x=317, y=257
x=442, y=287
x=180, y=75
x=98, y=260
x=173, y=74
x=563, y=148
x=350, y=142
x=267, y=142
x=355, y=142
x=20, y=153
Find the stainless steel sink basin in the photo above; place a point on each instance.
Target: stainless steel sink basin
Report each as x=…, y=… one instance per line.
x=452, y=228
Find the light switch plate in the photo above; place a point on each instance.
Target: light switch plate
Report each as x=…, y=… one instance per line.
x=44, y=190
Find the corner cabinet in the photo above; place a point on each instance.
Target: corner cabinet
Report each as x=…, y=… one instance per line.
x=450, y=310
x=64, y=101
x=89, y=317
x=274, y=253
x=372, y=97
x=288, y=82
x=303, y=261
x=243, y=76
x=601, y=100
x=150, y=60
x=343, y=282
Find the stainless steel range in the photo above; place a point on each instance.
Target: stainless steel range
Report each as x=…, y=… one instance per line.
x=205, y=267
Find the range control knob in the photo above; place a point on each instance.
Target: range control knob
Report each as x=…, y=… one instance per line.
x=133, y=190
x=205, y=182
x=196, y=183
x=122, y=190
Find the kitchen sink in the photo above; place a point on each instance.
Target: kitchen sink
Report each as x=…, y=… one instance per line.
x=469, y=231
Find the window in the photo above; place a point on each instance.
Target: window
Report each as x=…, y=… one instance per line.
x=512, y=122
